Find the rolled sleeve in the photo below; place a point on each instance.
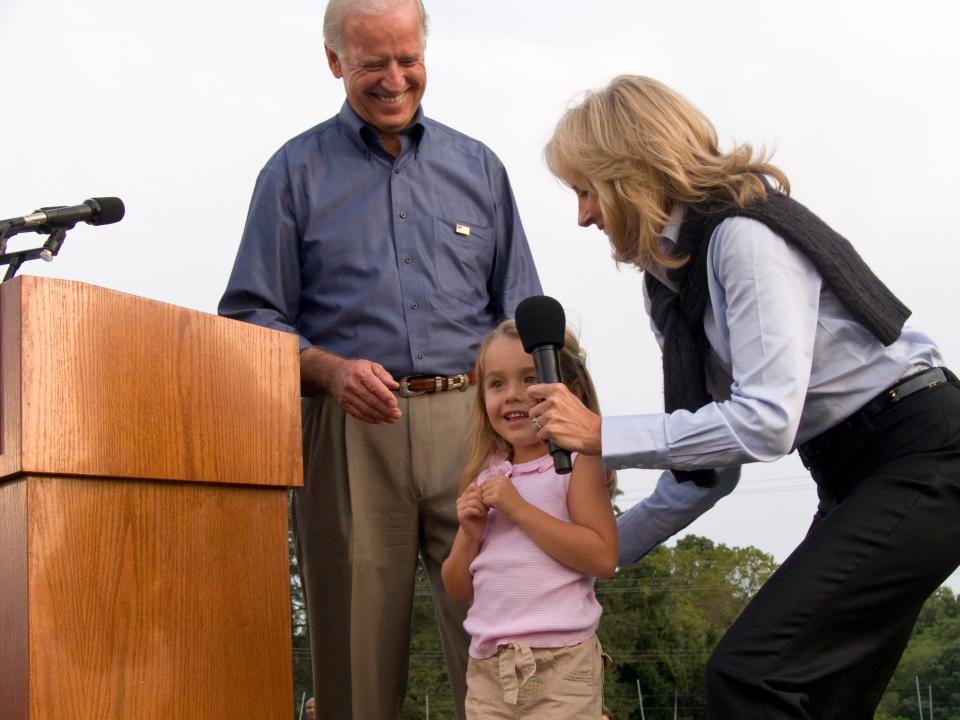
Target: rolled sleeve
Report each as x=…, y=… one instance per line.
x=264, y=286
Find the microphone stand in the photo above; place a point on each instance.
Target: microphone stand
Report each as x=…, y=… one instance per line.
x=45, y=252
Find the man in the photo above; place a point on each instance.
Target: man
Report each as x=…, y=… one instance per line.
x=390, y=244
x=311, y=709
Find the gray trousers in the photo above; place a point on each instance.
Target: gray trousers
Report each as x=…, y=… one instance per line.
x=374, y=498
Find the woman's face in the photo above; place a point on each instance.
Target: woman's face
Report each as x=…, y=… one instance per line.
x=588, y=209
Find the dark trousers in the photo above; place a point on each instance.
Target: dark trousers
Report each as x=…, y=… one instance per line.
x=822, y=637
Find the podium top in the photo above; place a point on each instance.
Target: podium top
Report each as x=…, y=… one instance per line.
x=100, y=383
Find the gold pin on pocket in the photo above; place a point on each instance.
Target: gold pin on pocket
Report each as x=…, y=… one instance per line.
x=462, y=229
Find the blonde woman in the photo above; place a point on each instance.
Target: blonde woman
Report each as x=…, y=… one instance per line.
x=776, y=336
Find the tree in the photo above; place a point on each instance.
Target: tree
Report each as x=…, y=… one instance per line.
x=663, y=617
x=302, y=674
x=932, y=656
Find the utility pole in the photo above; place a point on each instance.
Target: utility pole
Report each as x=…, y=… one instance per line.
x=919, y=704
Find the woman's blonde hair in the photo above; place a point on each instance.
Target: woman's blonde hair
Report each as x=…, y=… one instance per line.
x=485, y=442
x=642, y=148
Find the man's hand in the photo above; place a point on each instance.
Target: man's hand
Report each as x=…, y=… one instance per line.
x=361, y=387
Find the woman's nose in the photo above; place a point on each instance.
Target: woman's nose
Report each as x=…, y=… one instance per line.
x=584, y=215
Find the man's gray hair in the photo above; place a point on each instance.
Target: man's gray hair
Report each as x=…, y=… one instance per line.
x=337, y=11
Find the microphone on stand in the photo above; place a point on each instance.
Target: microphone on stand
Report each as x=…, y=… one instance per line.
x=95, y=211
x=541, y=324
x=54, y=222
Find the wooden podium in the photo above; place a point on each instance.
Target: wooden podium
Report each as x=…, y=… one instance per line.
x=146, y=453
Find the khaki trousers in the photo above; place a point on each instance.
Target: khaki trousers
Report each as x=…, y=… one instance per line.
x=537, y=683
x=374, y=498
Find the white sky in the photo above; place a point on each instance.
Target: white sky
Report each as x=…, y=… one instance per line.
x=175, y=106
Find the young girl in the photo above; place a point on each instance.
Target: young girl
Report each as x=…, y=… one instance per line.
x=530, y=544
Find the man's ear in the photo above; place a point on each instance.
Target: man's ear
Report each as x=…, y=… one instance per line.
x=333, y=60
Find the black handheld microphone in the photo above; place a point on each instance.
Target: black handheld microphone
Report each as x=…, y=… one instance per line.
x=95, y=211
x=541, y=323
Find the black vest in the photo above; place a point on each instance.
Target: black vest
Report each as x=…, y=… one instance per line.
x=679, y=316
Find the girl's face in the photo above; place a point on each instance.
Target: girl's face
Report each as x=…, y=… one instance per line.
x=508, y=371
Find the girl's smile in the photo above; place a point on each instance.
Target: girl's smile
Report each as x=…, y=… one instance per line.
x=508, y=371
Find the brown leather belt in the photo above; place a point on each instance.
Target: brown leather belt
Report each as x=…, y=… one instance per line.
x=412, y=385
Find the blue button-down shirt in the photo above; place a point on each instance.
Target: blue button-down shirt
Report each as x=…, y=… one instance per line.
x=407, y=261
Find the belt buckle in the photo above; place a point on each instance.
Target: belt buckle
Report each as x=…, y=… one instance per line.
x=458, y=382
x=405, y=390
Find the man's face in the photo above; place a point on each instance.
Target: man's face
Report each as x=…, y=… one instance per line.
x=311, y=709
x=382, y=67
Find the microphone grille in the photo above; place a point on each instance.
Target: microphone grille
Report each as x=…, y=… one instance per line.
x=540, y=321
x=106, y=210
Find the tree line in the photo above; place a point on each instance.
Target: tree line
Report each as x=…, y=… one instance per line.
x=661, y=619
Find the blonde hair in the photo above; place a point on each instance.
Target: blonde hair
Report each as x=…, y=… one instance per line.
x=642, y=148
x=485, y=442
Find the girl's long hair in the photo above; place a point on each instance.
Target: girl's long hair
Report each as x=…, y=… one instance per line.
x=642, y=148
x=485, y=442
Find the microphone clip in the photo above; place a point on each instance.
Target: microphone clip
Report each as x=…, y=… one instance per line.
x=46, y=252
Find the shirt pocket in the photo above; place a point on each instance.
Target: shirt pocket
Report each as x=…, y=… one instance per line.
x=464, y=259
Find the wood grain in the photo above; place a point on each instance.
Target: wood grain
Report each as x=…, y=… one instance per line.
x=14, y=666
x=10, y=374
x=114, y=385
x=158, y=600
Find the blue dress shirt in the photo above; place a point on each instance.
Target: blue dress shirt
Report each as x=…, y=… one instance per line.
x=407, y=261
x=786, y=363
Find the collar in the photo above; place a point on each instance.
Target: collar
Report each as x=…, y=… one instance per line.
x=365, y=134
x=667, y=242
x=499, y=465
x=671, y=231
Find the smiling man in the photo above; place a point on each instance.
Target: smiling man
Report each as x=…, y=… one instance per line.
x=390, y=244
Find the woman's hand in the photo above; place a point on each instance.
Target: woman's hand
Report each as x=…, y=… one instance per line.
x=564, y=419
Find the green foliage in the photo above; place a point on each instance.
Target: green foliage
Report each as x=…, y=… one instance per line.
x=932, y=661
x=661, y=619
x=302, y=680
x=427, y=681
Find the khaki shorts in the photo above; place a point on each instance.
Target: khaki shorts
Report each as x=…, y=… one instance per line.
x=545, y=683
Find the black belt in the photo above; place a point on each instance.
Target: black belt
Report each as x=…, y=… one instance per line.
x=814, y=449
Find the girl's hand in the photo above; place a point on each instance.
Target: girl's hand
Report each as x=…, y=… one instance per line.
x=498, y=492
x=472, y=513
x=564, y=419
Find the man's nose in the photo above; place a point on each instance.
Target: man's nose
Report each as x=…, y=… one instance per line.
x=393, y=77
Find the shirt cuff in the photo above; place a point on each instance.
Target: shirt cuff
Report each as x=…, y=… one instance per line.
x=634, y=441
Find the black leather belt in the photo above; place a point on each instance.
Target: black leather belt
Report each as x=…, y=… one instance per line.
x=815, y=448
x=412, y=385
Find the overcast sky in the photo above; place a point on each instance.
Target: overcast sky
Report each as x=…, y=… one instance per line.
x=175, y=106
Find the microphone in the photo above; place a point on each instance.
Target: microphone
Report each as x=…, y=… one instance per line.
x=95, y=211
x=541, y=324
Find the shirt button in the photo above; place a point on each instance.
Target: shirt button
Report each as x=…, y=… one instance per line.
x=413, y=306
x=408, y=259
x=396, y=171
x=403, y=214
x=420, y=355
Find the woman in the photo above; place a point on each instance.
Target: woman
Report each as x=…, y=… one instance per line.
x=776, y=336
